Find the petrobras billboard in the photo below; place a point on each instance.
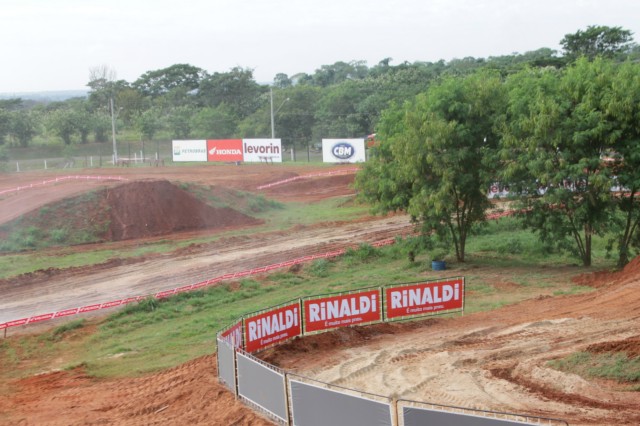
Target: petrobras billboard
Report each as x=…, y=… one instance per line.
x=341, y=310
x=262, y=150
x=226, y=150
x=426, y=298
x=189, y=150
x=272, y=327
x=343, y=151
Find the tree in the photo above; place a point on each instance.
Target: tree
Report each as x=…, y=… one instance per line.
x=219, y=122
x=159, y=82
x=282, y=81
x=556, y=137
x=23, y=127
x=236, y=89
x=101, y=126
x=62, y=123
x=179, y=121
x=9, y=110
x=622, y=108
x=437, y=158
x=339, y=72
x=597, y=40
x=337, y=112
x=148, y=123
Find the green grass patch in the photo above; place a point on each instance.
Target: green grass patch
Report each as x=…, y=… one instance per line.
x=609, y=365
x=59, y=332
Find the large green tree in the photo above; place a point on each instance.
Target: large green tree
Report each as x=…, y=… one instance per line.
x=622, y=108
x=597, y=40
x=437, y=158
x=159, y=82
x=237, y=89
x=556, y=136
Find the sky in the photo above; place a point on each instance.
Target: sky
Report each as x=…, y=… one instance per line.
x=49, y=45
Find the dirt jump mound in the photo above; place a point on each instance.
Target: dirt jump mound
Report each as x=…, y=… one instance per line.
x=152, y=208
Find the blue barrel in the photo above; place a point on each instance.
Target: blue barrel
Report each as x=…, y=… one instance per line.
x=438, y=265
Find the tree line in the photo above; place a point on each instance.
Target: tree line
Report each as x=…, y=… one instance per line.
x=345, y=99
x=566, y=140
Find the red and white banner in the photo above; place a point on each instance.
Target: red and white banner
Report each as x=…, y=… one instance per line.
x=272, y=327
x=227, y=150
x=342, y=310
x=411, y=300
x=233, y=335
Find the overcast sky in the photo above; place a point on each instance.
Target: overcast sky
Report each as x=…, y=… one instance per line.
x=52, y=44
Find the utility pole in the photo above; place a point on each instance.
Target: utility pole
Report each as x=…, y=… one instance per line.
x=273, y=114
x=113, y=132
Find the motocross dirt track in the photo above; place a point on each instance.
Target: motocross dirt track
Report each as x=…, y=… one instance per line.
x=493, y=361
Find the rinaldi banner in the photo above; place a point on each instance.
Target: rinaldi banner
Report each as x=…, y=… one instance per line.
x=417, y=299
x=272, y=327
x=233, y=335
x=342, y=310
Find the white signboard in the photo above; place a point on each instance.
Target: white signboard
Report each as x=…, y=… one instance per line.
x=343, y=150
x=262, y=150
x=189, y=150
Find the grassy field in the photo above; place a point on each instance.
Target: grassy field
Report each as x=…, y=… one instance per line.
x=154, y=334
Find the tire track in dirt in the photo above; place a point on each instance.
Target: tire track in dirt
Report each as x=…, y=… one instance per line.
x=68, y=290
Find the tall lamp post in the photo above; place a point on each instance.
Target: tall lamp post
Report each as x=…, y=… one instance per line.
x=273, y=114
x=113, y=132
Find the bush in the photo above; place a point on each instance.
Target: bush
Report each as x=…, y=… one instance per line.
x=362, y=254
x=320, y=268
x=59, y=235
x=72, y=325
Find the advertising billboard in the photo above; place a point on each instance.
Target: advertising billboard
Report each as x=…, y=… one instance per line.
x=225, y=150
x=341, y=310
x=233, y=335
x=262, y=150
x=343, y=151
x=426, y=298
x=272, y=327
x=189, y=150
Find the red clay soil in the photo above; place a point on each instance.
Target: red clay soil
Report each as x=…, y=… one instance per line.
x=185, y=395
x=134, y=210
x=314, y=188
x=151, y=208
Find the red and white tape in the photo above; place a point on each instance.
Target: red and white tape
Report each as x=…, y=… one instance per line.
x=320, y=174
x=58, y=180
x=196, y=286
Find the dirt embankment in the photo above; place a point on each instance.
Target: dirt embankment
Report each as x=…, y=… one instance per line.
x=133, y=210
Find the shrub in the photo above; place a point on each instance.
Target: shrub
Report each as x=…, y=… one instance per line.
x=320, y=268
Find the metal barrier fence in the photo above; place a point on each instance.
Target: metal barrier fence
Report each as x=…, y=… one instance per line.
x=310, y=402
x=292, y=399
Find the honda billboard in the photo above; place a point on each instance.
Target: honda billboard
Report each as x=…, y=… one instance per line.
x=224, y=150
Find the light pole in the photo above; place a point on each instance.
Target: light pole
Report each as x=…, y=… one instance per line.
x=273, y=114
x=113, y=132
